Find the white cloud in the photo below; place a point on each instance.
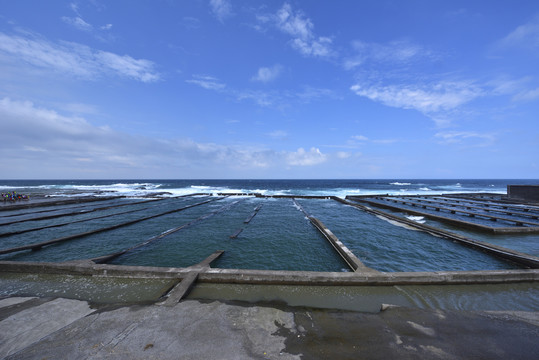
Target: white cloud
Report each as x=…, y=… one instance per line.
x=44, y=143
x=306, y=158
x=78, y=23
x=261, y=98
x=521, y=89
x=221, y=9
x=301, y=29
x=75, y=59
x=314, y=47
x=527, y=95
x=394, y=52
x=267, y=74
x=343, y=154
x=526, y=35
x=207, y=82
x=127, y=66
x=459, y=137
x=75, y=8
x=360, y=138
x=427, y=98
x=295, y=24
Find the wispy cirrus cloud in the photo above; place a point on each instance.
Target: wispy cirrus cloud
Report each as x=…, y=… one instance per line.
x=360, y=138
x=478, y=139
x=526, y=35
x=527, y=95
x=221, y=9
x=75, y=59
x=263, y=98
x=394, y=52
x=427, y=98
x=78, y=23
x=207, y=82
x=301, y=30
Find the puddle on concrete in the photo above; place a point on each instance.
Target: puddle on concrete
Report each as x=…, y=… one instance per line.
x=495, y=297
x=106, y=290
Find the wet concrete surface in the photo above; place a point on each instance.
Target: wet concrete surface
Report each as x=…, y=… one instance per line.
x=57, y=328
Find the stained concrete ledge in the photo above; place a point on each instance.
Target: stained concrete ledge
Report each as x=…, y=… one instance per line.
x=239, y=276
x=219, y=330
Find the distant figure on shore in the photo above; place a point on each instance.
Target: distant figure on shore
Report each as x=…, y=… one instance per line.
x=13, y=197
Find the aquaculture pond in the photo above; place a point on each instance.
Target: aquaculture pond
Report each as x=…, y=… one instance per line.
x=255, y=233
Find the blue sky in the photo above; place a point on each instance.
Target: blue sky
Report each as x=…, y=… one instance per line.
x=269, y=89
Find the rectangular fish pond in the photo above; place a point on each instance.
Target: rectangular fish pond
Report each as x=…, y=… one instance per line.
x=255, y=232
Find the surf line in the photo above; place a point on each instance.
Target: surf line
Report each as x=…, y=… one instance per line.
x=106, y=258
x=38, y=246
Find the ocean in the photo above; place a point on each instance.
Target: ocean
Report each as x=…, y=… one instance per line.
x=339, y=188
x=182, y=231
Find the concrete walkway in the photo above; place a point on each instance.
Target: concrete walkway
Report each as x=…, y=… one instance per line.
x=45, y=328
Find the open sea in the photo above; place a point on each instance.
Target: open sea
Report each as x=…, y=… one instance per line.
x=184, y=230
x=339, y=188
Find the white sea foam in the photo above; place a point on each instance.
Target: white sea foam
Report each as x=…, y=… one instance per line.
x=6, y=187
x=121, y=189
x=417, y=219
x=200, y=187
x=139, y=189
x=396, y=223
x=296, y=206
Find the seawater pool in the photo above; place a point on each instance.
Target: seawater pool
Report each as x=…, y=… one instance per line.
x=279, y=237
x=386, y=246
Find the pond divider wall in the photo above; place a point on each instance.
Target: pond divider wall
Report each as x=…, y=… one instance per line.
x=275, y=277
x=38, y=246
x=348, y=256
x=508, y=254
x=457, y=222
x=533, y=226
x=523, y=192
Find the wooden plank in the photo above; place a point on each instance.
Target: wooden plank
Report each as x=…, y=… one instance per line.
x=248, y=220
x=181, y=290
x=236, y=233
x=211, y=258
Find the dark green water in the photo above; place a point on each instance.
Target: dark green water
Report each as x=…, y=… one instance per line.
x=279, y=237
